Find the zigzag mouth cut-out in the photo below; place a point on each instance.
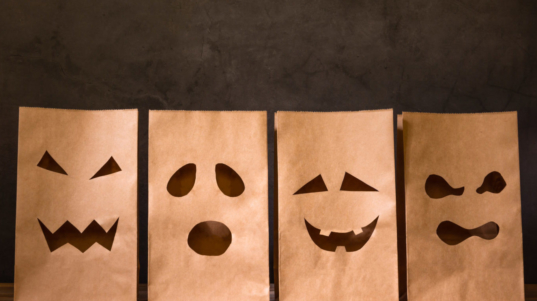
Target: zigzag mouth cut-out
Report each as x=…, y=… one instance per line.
x=453, y=234
x=351, y=241
x=69, y=234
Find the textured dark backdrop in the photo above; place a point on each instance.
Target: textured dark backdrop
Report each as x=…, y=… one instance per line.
x=326, y=55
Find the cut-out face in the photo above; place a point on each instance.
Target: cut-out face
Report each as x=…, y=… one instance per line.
x=208, y=206
x=69, y=234
x=336, y=212
x=77, y=197
x=451, y=233
x=207, y=238
x=462, y=192
x=351, y=240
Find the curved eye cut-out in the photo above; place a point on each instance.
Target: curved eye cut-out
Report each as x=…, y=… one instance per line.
x=453, y=234
x=109, y=167
x=493, y=182
x=437, y=188
x=209, y=238
x=48, y=163
x=229, y=182
x=182, y=181
x=315, y=185
x=351, y=183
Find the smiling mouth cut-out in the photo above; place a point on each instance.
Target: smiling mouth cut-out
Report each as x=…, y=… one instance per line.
x=351, y=241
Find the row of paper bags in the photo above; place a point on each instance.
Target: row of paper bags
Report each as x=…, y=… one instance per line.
x=336, y=232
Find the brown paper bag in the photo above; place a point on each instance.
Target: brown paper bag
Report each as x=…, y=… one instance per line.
x=464, y=232
x=76, y=232
x=208, y=206
x=336, y=206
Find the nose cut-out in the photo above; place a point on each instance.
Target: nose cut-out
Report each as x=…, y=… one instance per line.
x=229, y=181
x=182, y=181
x=453, y=234
x=209, y=238
x=48, y=163
x=436, y=187
x=493, y=182
x=315, y=185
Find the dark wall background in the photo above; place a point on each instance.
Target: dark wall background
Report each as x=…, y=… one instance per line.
x=413, y=55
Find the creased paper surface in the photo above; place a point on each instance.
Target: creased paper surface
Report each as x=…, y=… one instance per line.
x=463, y=149
x=80, y=142
x=207, y=139
x=331, y=145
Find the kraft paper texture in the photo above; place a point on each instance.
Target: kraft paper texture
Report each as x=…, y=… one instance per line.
x=81, y=143
x=207, y=139
x=331, y=145
x=463, y=149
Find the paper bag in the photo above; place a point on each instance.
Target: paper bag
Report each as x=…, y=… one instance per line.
x=208, y=206
x=464, y=232
x=76, y=230
x=336, y=206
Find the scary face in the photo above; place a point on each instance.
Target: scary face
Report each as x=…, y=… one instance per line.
x=68, y=233
x=336, y=205
x=208, y=207
x=463, y=206
x=77, y=204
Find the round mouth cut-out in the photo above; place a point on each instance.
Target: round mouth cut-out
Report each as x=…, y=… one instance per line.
x=210, y=238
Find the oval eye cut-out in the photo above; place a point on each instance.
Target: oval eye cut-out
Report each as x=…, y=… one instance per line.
x=351, y=183
x=182, y=181
x=229, y=182
x=315, y=185
x=493, y=182
x=109, y=167
x=437, y=188
x=48, y=163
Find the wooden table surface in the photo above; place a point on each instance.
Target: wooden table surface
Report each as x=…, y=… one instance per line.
x=6, y=292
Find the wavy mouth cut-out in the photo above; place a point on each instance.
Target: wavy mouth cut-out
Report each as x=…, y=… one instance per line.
x=210, y=238
x=351, y=241
x=453, y=234
x=69, y=234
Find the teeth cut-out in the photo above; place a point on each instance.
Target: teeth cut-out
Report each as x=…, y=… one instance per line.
x=350, y=241
x=436, y=188
x=48, y=163
x=325, y=232
x=315, y=185
x=69, y=234
x=109, y=167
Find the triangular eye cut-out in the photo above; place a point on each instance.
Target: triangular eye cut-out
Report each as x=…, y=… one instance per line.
x=48, y=163
x=315, y=185
x=109, y=167
x=351, y=183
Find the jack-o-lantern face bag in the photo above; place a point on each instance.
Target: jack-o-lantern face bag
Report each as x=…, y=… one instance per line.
x=463, y=219
x=336, y=227
x=208, y=206
x=76, y=232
